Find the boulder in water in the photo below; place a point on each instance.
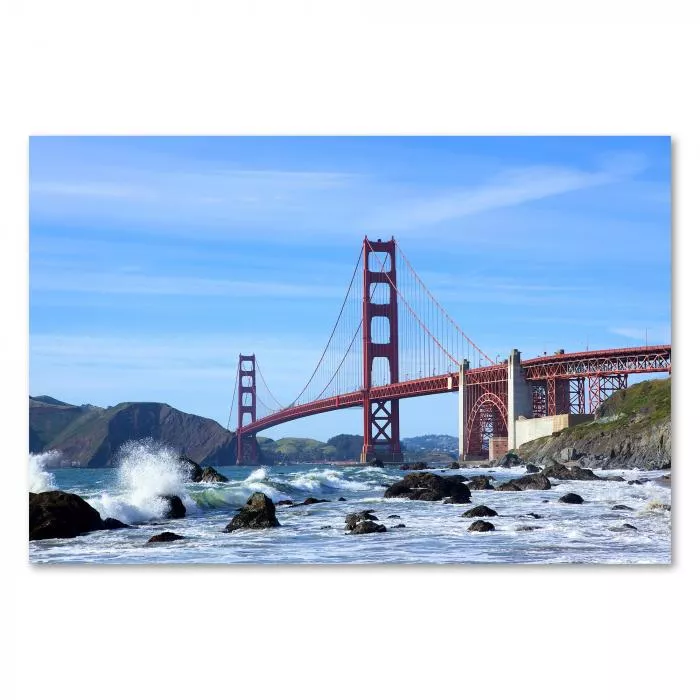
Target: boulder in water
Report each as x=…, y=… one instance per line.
x=175, y=507
x=310, y=501
x=365, y=527
x=529, y=482
x=510, y=459
x=210, y=475
x=480, y=483
x=429, y=487
x=481, y=526
x=258, y=512
x=165, y=537
x=113, y=524
x=194, y=471
x=508, y=486
x=479, y=512
x=59, y=514
x=353, y=519
x=571, y=498
x=621, y=507
x=559, y=471
x=532, y=469
x=413, y=465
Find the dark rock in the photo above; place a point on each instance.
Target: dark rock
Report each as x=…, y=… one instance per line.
x=310, y=501
x=414, y=465
x=612, y=478
x=458, y=478
x=210, y=475
x=479, y=512
x=353, y=519
x=394, y=527
x=60, y=514
x=481, y=526
x=428, y=487
x=509, y=459
x=365, y=527
x=571, y=498
x=625, y=527
x=534, y=515
x=635, y=482
x=165, y=537
x=529, y=482
x=508, y=486
x=258, y=512
x=342, y=499
x=194, y=471
x=527, y=528
x=621, y=507
x=389, y=517
x=377, y=462
x=114, y=524
x=559, y=471
x=569, y=454
x=285, y=502
x=532, y=469
x=326, y=527
x=480, y=483
x=175, y=507
x=454, y=465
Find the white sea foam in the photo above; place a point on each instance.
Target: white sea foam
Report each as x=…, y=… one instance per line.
x=323, y=480
x=147, y=471
x=39, y=479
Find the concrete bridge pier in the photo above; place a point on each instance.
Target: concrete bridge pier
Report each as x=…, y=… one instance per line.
x=519, y=397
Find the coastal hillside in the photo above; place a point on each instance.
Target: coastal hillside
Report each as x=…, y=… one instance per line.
x=90, y=436
x=632, y=429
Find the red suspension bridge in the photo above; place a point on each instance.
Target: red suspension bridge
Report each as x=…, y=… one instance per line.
x=393, y=340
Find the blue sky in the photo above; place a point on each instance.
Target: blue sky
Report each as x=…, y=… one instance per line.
x=155, y=261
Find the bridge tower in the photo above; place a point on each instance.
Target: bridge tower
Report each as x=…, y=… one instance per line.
x=381, y=417
x=248, y=451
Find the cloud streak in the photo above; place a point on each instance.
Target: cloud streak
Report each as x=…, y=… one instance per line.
x=510, y=188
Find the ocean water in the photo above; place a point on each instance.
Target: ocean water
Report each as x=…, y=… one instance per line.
x=435, y=533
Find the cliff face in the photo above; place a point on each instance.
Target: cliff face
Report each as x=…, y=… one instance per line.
x=91, y=436
x=632, y=429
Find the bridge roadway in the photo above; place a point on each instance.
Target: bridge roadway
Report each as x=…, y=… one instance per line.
x=639, y=360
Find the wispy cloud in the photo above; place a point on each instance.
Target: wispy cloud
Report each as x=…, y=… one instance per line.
x=510, y=188
x=653, y=335
x=126, y=282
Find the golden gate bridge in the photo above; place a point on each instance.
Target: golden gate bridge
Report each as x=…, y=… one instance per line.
x=392, y=340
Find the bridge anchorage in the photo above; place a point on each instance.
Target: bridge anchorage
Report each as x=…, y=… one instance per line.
x=501, y=405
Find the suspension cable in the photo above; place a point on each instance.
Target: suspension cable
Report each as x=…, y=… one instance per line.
x=272, y=396
x=323, y=354
x=466, y=337
x=233, y=398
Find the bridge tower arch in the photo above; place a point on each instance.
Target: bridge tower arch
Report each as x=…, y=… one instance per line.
x=380, y=416
x=247, y=451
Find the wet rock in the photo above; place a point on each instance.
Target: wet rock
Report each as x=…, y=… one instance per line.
x=508, y=486
x=625, y=527
x=365, y=527
x=479, y=512
x=559, y=471
x=59, y=514
x=414, y=465
x=194, y=471
x=458, y=478
x=210, y=475
x=532, y=469
x=377, y=462
x=527, y=528
x=342, y=499
x=165, y=537
x=509, y=459
x=389, y=517
x=175, y=507
x=480, y=483
x=454, y=465
x=481, y=526
x=635, y=482
x=534, y=515
x=310, y=501
x=571, y=498
x=529, y=482
x=285, y=502
x=326, y=527
x=258, y=512
x=621, y=507
x=353, y=519
x=394, y=527
x=428, y=487
x=611, y=478
x=114, y=524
